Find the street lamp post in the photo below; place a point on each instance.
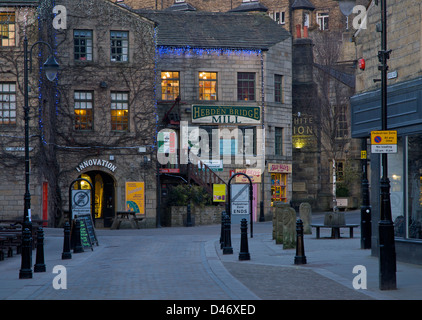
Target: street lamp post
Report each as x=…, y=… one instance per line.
x=51, y=68
x=387, y=252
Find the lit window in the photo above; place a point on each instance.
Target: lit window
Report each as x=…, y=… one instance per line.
x=170, y=85
x=119, y=111
x=246, y=86
x=82, y=45
x=83, y=110
x=119, y=44
x=207, y=86
x=7, y=103
x=7, y=29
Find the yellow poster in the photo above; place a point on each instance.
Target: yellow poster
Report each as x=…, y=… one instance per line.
x=135, y=197
x=219, y=192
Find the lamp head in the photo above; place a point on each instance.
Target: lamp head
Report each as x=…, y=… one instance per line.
x=51, y=68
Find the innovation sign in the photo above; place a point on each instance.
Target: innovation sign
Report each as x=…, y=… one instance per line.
x=384, y=141
x=226, y=114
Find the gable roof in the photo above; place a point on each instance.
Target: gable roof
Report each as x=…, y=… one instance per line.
x=216, y=29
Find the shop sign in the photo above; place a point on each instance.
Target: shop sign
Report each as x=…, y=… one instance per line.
x=226, y=114
x=254, y=175
x=280, y=167
x=135, y=197
x=96, y=162
x=219, y=192
x=214, y=165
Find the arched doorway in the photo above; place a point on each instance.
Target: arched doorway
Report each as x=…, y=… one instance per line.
x=104, y=194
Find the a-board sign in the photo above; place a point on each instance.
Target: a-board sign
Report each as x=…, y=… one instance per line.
x=239, y=194
x=85, y=239
x=89, y=232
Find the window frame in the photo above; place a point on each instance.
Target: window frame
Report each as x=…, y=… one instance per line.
x=8, y=103
x=89, y=116
x=170, y=96
x=5, y=26
x=202, y=89
x=86, y=46
x=278, y=141
x=125, y=117
x=323, y=20
x=119, y=48
x=246, y=83
x=278, y=88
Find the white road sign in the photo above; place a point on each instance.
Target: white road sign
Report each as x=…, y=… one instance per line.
x=239, y=199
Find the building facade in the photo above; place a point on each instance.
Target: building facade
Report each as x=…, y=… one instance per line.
x=404, y=108
x=226, y=95
x=96, y=121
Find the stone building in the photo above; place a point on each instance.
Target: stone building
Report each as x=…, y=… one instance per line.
x=404, y=107
x=235, y=88
x=96, y=121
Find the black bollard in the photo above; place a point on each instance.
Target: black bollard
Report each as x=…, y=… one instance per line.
x=66, y=254
x=188, y=216
x=78, y=245
x=26, y=271
x=223, y=217
x=227, y=248
x=300, y=249
x=39, y=262
x=244, y=249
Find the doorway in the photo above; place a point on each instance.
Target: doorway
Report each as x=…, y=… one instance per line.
x=104, y=194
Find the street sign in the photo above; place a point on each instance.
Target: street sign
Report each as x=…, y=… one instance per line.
x=81, y=202
x=239, y=194
x=384, y=141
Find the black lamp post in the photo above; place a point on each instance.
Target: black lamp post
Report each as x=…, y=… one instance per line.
x=51, y=68
x=387, y=252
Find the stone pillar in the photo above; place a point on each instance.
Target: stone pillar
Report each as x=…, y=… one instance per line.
x=284, y=225
x=305, y=214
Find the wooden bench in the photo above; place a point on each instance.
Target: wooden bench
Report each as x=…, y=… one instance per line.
x=8, y=242
x=335, y=230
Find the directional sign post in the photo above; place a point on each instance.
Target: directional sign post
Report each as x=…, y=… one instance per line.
x=384, y=141
x=238, y=198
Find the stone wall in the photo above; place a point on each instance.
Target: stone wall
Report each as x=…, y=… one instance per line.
x=199, y=215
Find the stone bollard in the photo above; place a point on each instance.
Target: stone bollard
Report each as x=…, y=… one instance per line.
x=39, y=262
x=66, y=254
x=227, y=247
x=26, y=272
x=300, y=257
x=244, y=249
x=78, y=245
x=305, y=214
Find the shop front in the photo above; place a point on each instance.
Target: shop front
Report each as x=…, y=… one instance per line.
x=404, y=166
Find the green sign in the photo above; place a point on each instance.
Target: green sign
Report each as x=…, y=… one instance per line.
x=226, y=114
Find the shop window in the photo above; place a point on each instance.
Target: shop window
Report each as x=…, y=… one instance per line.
x=246, y=86
x=7, y=103
x=7, y=29
x=83, y=108
x=207, y=86
x=170, y=85
x=278, y=187
x=119, y=45
x=82, y=45
x=414, y=196
x=119, y=111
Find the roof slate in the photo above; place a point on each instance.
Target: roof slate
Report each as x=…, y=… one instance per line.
x=216, y=29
